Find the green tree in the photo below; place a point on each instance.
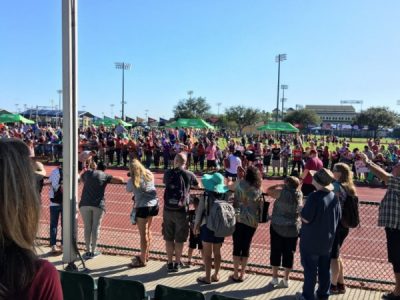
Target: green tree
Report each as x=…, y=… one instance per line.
x=242, y=116
x=303, y=117
x=376, y=118
x=265, y=116
x=196, y=107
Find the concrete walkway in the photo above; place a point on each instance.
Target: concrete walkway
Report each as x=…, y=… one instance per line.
x=254, y=287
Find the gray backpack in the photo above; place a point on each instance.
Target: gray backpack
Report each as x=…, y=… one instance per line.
x=220, y=216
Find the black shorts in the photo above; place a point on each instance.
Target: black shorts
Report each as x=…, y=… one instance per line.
x=145, y=212
x=195, y=241
x=211, y=163
x=393, y=248
x=228, y=174
x=340, y=236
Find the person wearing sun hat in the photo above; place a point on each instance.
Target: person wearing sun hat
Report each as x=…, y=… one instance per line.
x=320, y=217
x=215, y=187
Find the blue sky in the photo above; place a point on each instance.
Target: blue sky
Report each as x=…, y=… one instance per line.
x=222, y=50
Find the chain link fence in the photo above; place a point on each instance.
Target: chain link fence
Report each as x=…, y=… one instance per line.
x=364, y=252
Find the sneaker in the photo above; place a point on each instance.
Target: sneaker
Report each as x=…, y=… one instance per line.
x=184, y=266
x=87, y=255
x=334, y=289
x=299, y=296
x=283, y=283
x=55, y=250
x=341, y=288
x=274, y=282
x=95, y=254
x=170, y=267
x=176, y=267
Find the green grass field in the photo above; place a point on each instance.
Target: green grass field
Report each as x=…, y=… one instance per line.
x=355, y=143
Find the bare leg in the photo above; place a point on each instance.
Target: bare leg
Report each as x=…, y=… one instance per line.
x=207, y=252
x=287, y=272
x=217, y=260
x=148, y=233
x=178, y=251
x=335, y=270
x=169, y=247
x=142, y=226
x=397, y=286
x=236, y=263
x=244, y=264
x=190, y=254
x=275, y=272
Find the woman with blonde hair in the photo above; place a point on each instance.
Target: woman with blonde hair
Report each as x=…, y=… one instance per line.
x=23, y=275
x=145, y=207
x=343, y=186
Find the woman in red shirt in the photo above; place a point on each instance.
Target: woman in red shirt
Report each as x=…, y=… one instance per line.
x=23, y=275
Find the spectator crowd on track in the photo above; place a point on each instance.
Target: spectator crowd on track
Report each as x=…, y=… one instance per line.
x=316, y=204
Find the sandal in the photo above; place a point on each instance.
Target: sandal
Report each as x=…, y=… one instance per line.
x=231, y=277
x=137, y=263
x=214, y=278
x=203, y=280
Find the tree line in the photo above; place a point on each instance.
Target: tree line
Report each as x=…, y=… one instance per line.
x=238, y=117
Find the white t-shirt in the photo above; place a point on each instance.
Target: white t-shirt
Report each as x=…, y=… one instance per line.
x=234, y=163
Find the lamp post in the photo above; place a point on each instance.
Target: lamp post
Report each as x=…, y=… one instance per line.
x=59, y=99
x=218, y=104
x=278, y=59
x=283, y=87
x=124, y=66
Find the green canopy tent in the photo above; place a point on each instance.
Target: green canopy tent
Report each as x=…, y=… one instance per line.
x=190, y=123
x=14, y=118
x=278, y=126
x=111, y=122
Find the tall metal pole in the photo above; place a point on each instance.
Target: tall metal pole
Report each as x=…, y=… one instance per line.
x=124, y=66
x=283, y=101
x=278, y=59
x=277, y=95
x=70, y=129
x=123, y=91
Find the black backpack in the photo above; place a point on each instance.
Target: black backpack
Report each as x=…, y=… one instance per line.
x=350, y=212
x=176, y=193
x=58, y=194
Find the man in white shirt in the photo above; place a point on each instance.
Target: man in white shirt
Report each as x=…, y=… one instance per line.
x=234, y=162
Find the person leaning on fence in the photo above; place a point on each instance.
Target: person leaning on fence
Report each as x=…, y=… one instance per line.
x=145, y=199
x=92, y=204
x=55, y=208
x=389, y=217
x=215, y=189
x=23, y=275
x=343, y=186
x=285, y=227
x=320, y=216
x=247, y=203
x=175, y=227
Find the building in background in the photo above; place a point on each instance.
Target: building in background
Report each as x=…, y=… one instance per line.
x=334, y=114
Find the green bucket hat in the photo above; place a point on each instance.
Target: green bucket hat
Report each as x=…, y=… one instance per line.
x=214, y=183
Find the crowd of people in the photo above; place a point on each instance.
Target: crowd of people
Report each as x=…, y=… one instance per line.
x=308, y=205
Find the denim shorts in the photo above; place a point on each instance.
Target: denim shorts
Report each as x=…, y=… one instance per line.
x=206, y=235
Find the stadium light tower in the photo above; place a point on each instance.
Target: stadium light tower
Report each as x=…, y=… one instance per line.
x=278, y=59
x=283, y=87
x=124, y=66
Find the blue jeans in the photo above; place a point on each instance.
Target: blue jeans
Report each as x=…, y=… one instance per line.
x=313, y=265
x=55, y=214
